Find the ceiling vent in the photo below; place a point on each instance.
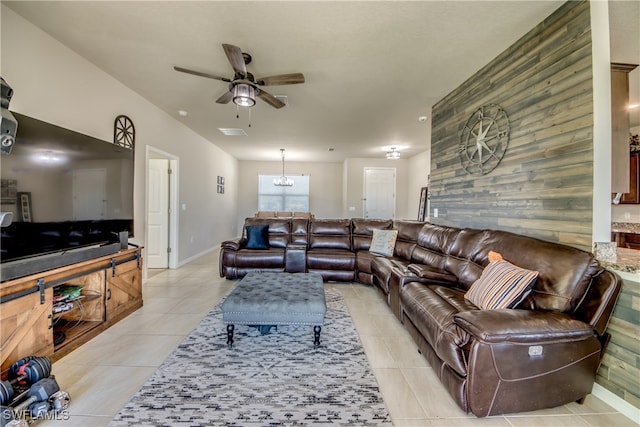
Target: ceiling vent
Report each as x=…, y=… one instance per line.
x=232, y=132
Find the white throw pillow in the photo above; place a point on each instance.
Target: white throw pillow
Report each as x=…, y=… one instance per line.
x=383, y=242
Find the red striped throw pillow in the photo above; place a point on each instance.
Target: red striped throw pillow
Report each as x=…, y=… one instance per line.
x=501, y=285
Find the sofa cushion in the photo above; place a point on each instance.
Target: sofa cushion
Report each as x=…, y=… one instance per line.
x=501, y=285
x=330, y=234
x=334, y=259
x=257, y=236
x=300, y=231
x=259, y=258
x=467, y=257
x=522, y=326
x=383, y=242
x=407, y=237
x=432, y=274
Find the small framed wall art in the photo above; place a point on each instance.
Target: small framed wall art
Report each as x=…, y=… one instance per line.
x=422, y=207
x=220, y=183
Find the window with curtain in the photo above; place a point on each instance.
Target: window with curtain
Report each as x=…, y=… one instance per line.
x=283, y=199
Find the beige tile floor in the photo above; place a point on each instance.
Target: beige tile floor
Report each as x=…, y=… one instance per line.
x=102, y=375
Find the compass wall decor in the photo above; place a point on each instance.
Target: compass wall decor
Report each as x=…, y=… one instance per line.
x=484, y=139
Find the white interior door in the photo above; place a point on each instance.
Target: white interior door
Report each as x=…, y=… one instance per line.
x=158, y=214
x=89, y=194
x=380, y=193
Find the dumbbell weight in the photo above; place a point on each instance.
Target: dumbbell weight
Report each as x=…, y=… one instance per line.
x=30, y=369
x=38, y=409
x=56, y=402
x=39, y=392
x=6, y=392
x=25, y=371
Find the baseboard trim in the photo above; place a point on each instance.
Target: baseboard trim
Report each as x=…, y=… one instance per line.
x=615, y=401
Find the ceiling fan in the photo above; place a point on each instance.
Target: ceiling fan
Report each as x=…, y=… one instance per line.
x=244, y=87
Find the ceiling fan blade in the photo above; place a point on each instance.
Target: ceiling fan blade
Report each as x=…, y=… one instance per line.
x=201, y=74
x=225, y=98
x=234, y=54
x=282, y=79
x=270, y=99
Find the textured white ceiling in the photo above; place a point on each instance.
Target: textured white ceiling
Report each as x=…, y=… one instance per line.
x=371, y=67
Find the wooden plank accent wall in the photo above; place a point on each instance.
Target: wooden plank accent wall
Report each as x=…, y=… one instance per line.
x=543, y=187
x=620, y=369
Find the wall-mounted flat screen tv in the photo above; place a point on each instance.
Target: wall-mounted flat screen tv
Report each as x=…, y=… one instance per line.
x=65, y=190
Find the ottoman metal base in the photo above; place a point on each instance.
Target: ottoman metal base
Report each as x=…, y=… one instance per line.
x=276, y=299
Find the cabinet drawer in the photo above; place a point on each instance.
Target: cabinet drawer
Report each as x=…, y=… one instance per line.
x=627, y=240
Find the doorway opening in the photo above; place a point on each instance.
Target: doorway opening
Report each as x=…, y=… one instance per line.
x=379, y=200
x=161, y=210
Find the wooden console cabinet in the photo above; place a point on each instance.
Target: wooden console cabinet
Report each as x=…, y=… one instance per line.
x=111, y=290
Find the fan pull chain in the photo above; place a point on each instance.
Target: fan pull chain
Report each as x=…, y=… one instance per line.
x=238, y=113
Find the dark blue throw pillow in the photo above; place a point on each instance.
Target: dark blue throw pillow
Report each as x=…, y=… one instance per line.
x=257, y=237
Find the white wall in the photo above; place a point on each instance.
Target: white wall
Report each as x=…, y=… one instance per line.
x=419, y=169
x=337, y=186
x=53, y=84
x=325, y=186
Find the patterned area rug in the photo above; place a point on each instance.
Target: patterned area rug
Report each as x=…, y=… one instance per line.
x=276, y=379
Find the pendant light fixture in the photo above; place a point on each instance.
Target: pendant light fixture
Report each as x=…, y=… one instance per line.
x=283, y=181
x=394, y=154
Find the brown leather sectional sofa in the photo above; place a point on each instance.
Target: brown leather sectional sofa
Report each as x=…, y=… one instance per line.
x=541, y=354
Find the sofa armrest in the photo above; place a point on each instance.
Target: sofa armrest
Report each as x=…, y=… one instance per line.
x=432, y=274
x=522, y=326
x=234, y=244
x=600, y=300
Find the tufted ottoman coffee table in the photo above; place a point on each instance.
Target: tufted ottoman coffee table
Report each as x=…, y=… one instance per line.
x=276, y=299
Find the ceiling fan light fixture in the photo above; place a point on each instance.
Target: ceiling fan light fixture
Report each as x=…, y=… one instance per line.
x=244, y=95
x=394, y=154
x=243, y=86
